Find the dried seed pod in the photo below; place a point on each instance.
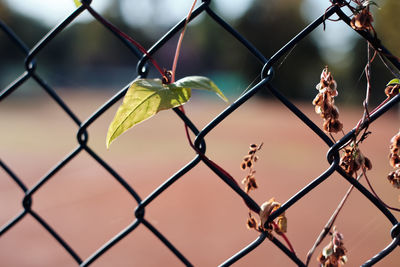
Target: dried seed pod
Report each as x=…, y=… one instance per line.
x=266, y=209
x=394, y=178
x=362, y=21
x=395, y=160
x=395, y=141
x=253, y=146
x=332, y=126
x=243, y=165
x=251, y=223
x=281, y=221
x=367, y=163
x=249, y=163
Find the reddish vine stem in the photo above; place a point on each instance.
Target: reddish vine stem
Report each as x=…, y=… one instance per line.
x=178, y=47
x=204, y=157
x=155, y=64
x=285, y=238
x=376, y=195
x=123, y=35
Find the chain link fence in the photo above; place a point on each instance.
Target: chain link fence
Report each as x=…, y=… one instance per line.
x=266, y=82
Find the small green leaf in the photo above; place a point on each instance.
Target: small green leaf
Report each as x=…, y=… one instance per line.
x=77, y=3
x=393, y=82
x=144, y=98
x=200, y=83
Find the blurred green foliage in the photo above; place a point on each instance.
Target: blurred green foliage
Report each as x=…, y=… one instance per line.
x=88, y=54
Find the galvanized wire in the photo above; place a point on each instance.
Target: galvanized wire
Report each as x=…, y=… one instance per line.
x=266, y=82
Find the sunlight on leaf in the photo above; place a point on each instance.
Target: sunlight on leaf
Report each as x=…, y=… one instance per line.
x=393, y=82
x=144, y=98
x=201, y=83
x=77, y=3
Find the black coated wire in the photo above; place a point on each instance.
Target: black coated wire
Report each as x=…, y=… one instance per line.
x=266, y=83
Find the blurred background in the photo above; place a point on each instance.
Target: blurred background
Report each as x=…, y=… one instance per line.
x=89, y=57
x=86, y=65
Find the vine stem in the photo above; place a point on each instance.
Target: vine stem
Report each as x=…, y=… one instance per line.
x=178, y=47
x=328, y=226
x=284, y=238
x=376, y=195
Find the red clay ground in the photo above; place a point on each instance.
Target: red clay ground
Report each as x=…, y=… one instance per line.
x=199, y=214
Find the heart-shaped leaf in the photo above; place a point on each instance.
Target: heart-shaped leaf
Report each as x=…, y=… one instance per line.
x=200, y=83
x=144, y=98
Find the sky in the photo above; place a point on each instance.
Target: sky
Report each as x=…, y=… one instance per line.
x=337, y=38
x=139, y=13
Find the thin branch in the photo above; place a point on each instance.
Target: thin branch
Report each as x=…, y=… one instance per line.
x=330, y=223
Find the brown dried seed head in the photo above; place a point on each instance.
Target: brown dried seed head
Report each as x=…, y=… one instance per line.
x=252, y=183
x=394, y=178
x=251, y=223
x=282, y=224
x=318, y=99
x=256, y=158
x=332, y=126
x=395, y=141
x=367, y=163
x=395, y=160
x=334, y=112
x=362, y=21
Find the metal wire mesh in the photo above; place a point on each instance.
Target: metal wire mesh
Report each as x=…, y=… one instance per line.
x=267, y=73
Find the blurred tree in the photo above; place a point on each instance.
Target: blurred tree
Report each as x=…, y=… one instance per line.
x=270, y=25
x=387, y=24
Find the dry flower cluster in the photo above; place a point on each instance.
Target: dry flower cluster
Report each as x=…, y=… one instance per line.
x=249, y=181
x=324, y=102
x=266, y=209
x=362, y=20
x=353, y=160
x=394, y=156
x=334, y=254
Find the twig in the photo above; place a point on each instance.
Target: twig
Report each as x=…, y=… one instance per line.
x=331, y=221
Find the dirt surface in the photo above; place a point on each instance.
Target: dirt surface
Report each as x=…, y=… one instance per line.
x=199, y=213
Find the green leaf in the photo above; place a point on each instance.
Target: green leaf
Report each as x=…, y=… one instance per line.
x=144, y=98
x=393, y=82
x=200, y=83
x=77, y=3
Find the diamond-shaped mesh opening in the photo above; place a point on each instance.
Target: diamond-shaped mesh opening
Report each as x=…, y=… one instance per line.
x=155, y=194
